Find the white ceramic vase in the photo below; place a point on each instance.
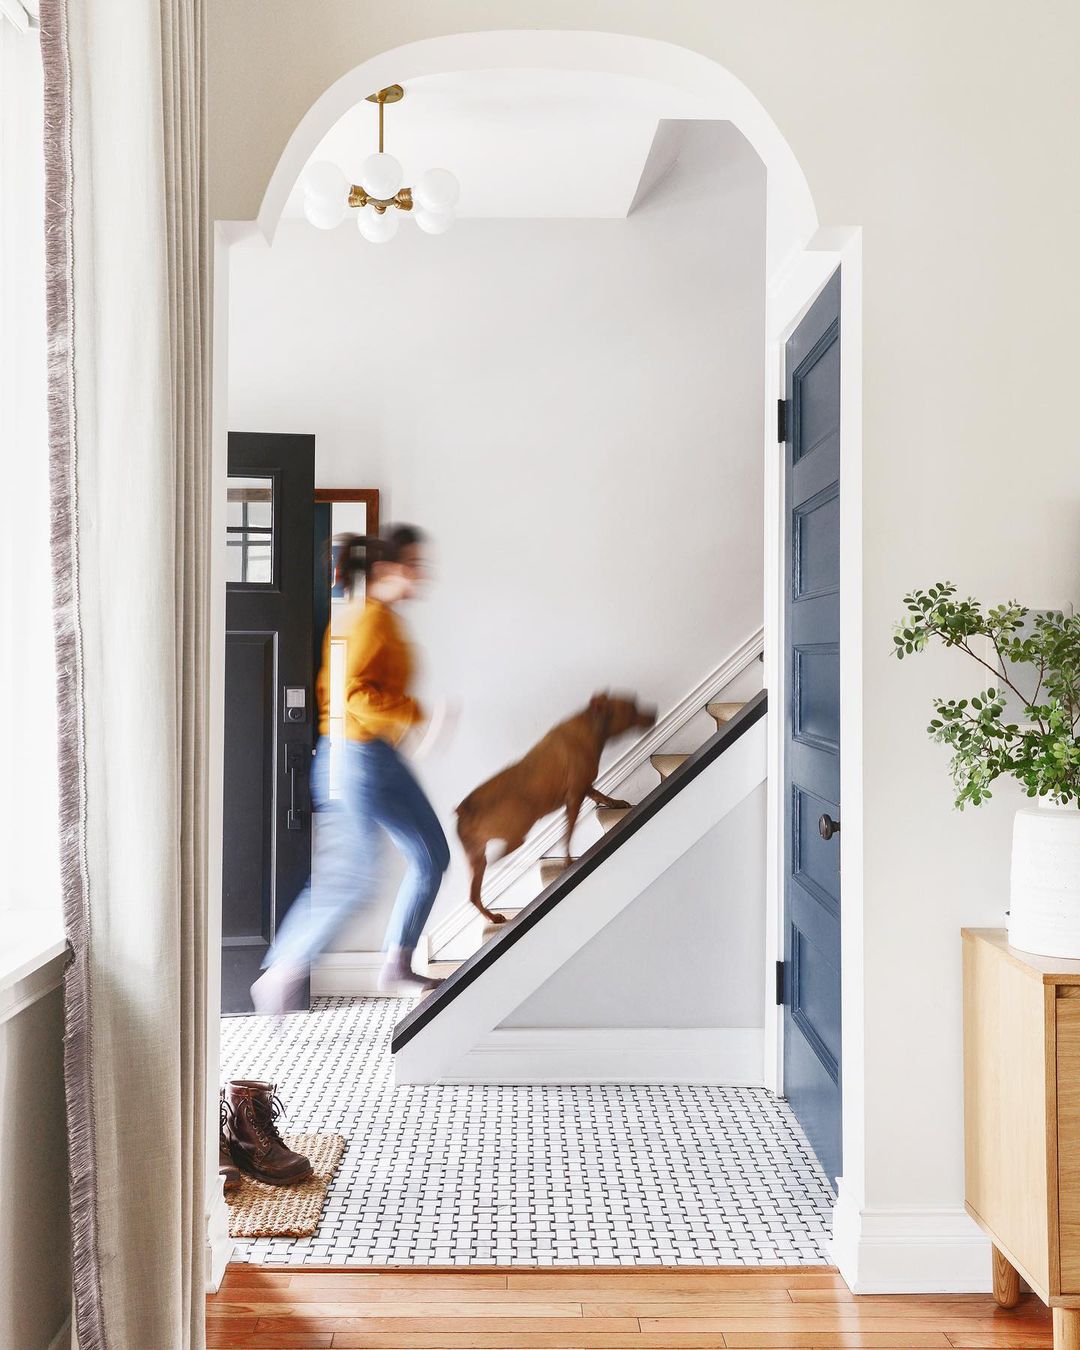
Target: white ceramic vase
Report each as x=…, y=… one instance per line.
x=1044, y=910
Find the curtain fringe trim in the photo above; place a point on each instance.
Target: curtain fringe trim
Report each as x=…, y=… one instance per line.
x=88, y=1312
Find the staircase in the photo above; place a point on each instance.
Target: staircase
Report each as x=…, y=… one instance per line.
x=582, y=895
x=609, y=819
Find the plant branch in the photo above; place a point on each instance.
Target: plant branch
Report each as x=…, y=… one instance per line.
x=999, y=675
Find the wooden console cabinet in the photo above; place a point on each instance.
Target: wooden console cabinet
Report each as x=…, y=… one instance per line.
x=1022, y=1120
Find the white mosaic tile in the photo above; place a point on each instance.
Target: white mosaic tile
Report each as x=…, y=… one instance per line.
x=601, y=1175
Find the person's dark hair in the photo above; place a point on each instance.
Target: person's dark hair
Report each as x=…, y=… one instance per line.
x=356, y=553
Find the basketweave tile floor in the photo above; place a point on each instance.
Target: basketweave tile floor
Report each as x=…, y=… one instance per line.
x=698, y=1176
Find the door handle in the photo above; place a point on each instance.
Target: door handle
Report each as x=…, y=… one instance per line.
x=294, y=763
x=827, y=827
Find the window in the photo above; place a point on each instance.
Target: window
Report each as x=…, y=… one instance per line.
x=29, y=865
x=249, y=531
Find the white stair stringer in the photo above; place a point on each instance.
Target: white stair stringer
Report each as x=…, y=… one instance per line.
x=436, y=1050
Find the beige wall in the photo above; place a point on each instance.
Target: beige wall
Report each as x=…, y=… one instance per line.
x=35, y=1237
x=947, y=133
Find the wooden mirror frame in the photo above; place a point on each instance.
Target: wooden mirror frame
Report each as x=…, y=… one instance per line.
x=369, y=496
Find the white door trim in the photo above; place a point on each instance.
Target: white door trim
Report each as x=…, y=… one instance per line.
x=789, y=298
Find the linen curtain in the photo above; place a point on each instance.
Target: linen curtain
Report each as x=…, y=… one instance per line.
x=127, y=297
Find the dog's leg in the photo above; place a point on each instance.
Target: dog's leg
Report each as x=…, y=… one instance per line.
x=601, y=799
x=573, y=806
x=478, y=862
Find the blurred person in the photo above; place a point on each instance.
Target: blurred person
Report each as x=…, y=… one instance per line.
x=380, y=790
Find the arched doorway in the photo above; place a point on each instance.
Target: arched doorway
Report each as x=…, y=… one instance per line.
x=799, y=257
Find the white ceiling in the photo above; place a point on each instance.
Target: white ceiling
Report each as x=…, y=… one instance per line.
x=522, y=143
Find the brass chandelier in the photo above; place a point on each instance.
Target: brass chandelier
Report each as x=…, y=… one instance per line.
x=380, y=195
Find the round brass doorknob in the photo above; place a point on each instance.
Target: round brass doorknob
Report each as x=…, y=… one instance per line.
x=827, y=827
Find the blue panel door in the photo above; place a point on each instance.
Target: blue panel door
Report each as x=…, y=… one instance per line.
x=812, y=1058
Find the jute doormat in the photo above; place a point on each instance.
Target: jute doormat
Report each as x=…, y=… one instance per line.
x=258, y=1210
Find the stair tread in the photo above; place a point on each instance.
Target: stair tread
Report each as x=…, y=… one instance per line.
x=440, y=970
x=723, y=712
x=666, y=764
x=609, y=816
x=490, y=929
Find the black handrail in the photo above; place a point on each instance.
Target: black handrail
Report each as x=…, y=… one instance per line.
x=578, y=870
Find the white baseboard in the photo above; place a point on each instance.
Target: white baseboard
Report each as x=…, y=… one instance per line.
x=346, y=974
x=504, y=873
x=909, y=1251
x=219, y=1245
x=731, y=1057
x=63, y=1338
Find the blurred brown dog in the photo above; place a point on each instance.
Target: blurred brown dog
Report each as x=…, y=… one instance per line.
x=557, y=771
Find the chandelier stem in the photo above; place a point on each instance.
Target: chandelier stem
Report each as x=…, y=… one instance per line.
x=382, y=109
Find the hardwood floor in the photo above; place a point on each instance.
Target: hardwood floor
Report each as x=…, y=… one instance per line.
x=791, y=1308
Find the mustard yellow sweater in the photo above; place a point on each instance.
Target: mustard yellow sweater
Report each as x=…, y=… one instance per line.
x=378, y=668
x=322, y=686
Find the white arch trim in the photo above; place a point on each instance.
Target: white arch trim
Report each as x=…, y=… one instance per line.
x=708, y=90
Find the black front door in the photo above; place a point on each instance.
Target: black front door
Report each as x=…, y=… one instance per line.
x=812, y=728
x=268, y=698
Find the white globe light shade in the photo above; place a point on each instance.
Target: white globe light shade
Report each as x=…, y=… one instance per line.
x=436, y=190
x=325, y=215
x=325, y=183
x=376, y=228
x=434, y=222
x=381, y=176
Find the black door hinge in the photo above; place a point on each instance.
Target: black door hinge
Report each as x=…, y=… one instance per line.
x=780, y=984
x=781, y=420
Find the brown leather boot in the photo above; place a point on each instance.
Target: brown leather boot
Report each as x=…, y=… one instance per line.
x=254, y=1142
x=227, y=1169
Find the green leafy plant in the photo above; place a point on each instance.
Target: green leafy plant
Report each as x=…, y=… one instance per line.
x=1043, y=752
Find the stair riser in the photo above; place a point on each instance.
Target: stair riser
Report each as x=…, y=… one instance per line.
x=609, y=817
x=551, y=870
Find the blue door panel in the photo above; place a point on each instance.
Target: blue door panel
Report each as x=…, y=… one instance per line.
x=803, y=758
x=816, y=712
x=815, y=529
x=810, y=1082
x=814, y=405
x=815, y=1000
x=814, y=861
x=812, y=905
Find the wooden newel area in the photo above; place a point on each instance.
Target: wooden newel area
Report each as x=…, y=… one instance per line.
x=1022, y=1121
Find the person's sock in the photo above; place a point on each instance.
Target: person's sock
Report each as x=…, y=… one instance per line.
x=277, y=988
x=398, y=977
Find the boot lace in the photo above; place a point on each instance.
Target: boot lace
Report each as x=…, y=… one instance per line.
x=265, y=1115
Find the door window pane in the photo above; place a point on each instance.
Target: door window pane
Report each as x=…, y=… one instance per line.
x=249, y=532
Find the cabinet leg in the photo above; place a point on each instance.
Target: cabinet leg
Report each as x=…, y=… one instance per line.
x=1007, y=1283
x=1066, y=1329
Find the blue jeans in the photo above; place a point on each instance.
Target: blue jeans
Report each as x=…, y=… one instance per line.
x=380, y=791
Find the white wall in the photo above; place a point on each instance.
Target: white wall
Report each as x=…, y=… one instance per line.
x=572, y=408
x=687, y=952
